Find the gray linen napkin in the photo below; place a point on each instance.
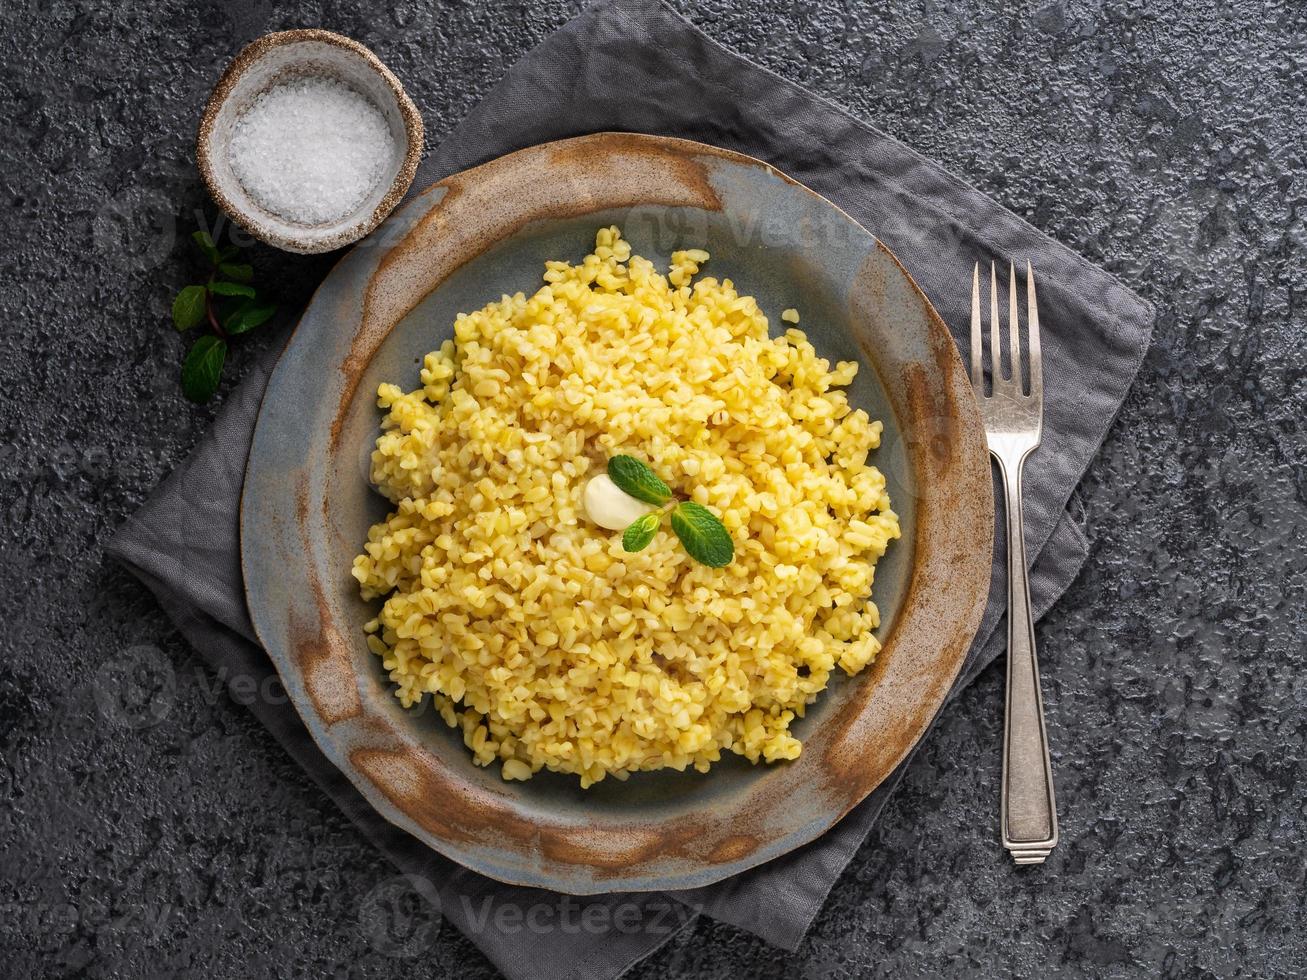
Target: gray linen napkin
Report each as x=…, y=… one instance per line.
x=637, y=65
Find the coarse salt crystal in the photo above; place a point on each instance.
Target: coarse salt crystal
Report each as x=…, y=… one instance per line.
x=311, y=150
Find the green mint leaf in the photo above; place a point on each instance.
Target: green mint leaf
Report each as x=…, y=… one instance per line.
x=205, y=241
x=228, y=253
x=246, y=315
x=705, y=537
x=640, y=532
x=232, y=313
x=188, y=308
x=237, y=271
x=231, y=289
x=203, y=367
x=636, y=479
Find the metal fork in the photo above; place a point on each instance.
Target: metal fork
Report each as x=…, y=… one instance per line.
x=1014, y=423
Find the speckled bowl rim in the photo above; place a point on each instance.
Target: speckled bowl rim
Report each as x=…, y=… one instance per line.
x=250, y=55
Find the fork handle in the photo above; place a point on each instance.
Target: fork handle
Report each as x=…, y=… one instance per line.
x=1029, y=811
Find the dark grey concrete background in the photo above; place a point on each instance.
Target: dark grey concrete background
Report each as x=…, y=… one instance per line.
x=1165, y=141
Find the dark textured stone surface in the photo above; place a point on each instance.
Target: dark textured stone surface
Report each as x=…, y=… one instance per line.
x=1163, y=140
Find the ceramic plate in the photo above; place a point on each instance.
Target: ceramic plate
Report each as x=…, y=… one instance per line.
x=307, y=506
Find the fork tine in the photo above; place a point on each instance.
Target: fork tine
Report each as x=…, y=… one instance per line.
x=1013, y=329
x=995, y=346
x=977, y=337
x=1032, y=318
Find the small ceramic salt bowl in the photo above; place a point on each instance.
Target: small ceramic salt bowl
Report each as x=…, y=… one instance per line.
x=288, y=56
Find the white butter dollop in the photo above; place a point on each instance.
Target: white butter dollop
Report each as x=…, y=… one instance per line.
x=609, y=506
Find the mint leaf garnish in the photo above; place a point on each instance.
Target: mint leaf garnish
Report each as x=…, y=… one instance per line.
x=704, y=537
x=188, y=308
x=205, y=241
x=246, y=315
x=641, y=531
x=238, y=271
x=221, y=288
x=203, y=367
x=636, y=479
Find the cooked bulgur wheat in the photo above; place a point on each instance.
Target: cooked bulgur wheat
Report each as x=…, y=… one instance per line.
x=536, y=634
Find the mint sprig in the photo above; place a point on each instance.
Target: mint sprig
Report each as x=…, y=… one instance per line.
x=703, y=536
x=228, y=303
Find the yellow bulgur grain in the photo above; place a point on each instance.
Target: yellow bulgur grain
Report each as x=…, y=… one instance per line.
x=537, y=636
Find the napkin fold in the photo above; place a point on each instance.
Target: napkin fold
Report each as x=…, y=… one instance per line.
x=636, y=65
